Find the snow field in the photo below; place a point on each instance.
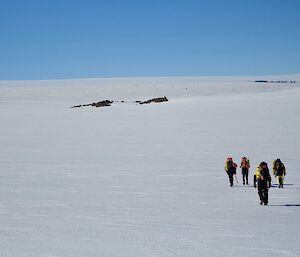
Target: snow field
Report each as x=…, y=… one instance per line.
x=131, y=180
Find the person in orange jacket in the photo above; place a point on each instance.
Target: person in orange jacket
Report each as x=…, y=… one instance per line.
x=245, y=165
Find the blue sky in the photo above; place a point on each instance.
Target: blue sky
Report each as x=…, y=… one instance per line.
x=57, y=39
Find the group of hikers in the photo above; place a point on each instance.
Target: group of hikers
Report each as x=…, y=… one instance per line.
x=262, y=177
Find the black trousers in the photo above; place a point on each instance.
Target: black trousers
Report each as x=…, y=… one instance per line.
x=245, y=173
x=262, y=186
x=230, y=176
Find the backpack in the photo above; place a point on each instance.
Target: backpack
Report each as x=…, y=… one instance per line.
x=264, y=174
x=229, y=166
x=279, y=168
x=245, y=163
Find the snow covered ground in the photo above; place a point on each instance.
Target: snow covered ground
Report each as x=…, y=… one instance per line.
x=147, y=180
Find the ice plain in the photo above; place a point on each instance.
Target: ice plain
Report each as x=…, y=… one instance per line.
x=147, y=180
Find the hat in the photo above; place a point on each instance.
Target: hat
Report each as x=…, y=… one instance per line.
x=263, y=164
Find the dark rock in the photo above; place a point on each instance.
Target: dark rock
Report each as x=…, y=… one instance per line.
x=261, y=81
x=103, y=103
x=76, y=106
x=276, y=81
x=155, y=100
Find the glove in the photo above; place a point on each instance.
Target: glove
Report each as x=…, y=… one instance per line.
x=254, y=185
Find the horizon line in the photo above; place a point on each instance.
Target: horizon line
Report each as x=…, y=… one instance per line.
x=155, y=76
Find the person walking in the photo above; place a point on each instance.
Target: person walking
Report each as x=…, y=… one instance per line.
x=245, y=165
x=279, y=171
x=230, y=168
x=262, y=180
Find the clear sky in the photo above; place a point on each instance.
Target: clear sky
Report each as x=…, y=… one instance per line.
x=54, y=39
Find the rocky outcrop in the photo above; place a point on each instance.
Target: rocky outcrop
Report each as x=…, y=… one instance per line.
x=103, y=103
x=155, y=100
x=109, y=102
x=98, y=104
x=276, y=81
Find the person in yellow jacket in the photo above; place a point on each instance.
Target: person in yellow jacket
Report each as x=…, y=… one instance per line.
x=230, y=168
x=245, y=165
x=279, y=171
x=262, y=180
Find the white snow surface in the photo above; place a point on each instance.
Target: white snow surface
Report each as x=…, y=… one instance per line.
x=136, y=180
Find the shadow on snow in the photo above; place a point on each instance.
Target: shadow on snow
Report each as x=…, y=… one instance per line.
x=286, y=205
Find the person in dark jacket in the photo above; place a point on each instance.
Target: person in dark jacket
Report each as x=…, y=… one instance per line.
x=230, y=168
x=279, y=171
x=262, y=180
